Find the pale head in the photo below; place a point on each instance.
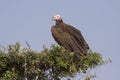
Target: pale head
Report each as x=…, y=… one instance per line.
x=57, y=18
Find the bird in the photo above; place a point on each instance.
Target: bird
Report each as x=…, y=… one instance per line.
x=68, y=36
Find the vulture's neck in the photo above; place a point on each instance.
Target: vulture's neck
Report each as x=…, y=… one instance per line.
x=59, y=22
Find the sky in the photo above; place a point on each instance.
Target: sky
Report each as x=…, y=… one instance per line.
x=98, y=20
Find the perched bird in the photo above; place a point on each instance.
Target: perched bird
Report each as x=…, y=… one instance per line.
x=69, y=37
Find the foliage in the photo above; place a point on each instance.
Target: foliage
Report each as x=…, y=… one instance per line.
x=17, y=63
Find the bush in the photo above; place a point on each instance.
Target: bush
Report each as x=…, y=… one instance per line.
x=17, y=63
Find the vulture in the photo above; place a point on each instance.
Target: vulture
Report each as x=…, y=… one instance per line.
x=69, y=37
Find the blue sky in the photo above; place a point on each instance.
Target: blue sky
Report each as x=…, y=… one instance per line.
x=98, y=20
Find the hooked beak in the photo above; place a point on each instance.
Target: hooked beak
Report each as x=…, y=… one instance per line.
x=53, y=19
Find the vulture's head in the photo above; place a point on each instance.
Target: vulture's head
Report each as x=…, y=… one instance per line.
x=57, y=18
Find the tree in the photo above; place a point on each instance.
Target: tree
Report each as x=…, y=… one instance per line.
x=17, y=63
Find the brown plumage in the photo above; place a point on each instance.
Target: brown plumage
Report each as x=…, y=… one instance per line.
x=69, y=37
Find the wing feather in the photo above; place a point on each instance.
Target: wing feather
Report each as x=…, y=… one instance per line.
x=77, y=35
x=70, y=37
